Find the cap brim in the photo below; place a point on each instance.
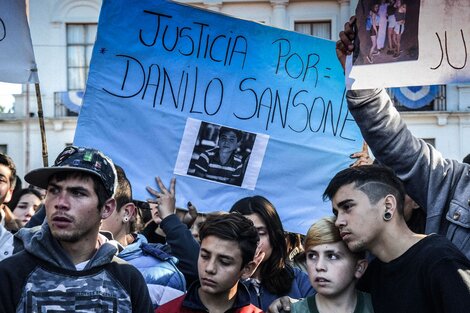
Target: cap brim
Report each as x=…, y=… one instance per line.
x=40, y=177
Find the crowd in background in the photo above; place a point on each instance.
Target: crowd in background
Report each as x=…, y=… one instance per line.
x=399, y=241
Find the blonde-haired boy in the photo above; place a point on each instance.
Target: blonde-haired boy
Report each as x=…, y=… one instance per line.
x=333, y=271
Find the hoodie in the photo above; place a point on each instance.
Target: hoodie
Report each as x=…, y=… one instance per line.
x=42, y=277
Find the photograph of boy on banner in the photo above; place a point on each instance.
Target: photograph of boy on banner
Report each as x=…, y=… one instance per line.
x=226, y=161
x=221, y=154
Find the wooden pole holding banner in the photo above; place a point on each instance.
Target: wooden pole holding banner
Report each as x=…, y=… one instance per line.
x=41, y=126
x=28, y=131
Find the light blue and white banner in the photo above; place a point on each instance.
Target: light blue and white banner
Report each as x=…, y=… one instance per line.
x=17, y=62
x=165, y=82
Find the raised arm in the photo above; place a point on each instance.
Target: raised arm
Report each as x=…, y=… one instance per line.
x=440, y=186
x=345, y=44
x=178, y=236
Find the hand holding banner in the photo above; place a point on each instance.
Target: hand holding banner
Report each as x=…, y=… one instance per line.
x=410, y=43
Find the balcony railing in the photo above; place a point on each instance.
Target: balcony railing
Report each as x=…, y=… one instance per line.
x=67, y=103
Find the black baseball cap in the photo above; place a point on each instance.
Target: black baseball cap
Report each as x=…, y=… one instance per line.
x=80, y=159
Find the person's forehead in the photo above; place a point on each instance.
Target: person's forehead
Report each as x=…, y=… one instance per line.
x=229, y=133
x=338, y=246
x=72, y=179
x=221, y=247
x=5, y=171
x=349, y=191
x=29, y=197
x=257, y=220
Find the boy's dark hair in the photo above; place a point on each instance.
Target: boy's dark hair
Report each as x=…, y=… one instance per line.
x=233, y=227
x=8, y=162
x=376, y=181
x=276, y=274
x=466, y=159
x=32, y=191
x=237, y=132
x=123, y=193
x=98, y=186
x=16, y=193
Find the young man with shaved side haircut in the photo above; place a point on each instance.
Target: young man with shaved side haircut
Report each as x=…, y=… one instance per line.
x=411, y=272
x=439, y=185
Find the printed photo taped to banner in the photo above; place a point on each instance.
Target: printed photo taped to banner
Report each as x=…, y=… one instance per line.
x=221, y=154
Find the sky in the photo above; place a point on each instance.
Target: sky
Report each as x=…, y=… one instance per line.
x=6, y=95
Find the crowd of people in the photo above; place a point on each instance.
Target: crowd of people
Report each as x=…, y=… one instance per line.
x=398, y=241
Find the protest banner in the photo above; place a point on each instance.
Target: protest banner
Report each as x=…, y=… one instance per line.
x=410, y=43
x=173, y=90
x=17, y=63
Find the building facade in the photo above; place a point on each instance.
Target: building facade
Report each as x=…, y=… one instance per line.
x=63, y=32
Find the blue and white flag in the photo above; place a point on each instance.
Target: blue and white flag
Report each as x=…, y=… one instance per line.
x=416, y=97
x=72, y=100
x=232, y=108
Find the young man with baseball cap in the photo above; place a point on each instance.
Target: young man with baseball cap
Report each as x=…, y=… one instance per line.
x=66, y=264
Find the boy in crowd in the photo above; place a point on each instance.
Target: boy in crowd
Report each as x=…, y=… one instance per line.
x=7, y=185
x=411, y=272
x=164, y=281
x=66, y=265
x=333, y=271
x=222, y=163
x=228, y=246
x=440, y=186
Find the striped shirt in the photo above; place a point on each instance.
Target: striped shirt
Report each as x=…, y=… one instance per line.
x=209, y=163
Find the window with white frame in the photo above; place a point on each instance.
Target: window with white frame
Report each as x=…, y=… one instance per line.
x=320, y=29
x=80, y=41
